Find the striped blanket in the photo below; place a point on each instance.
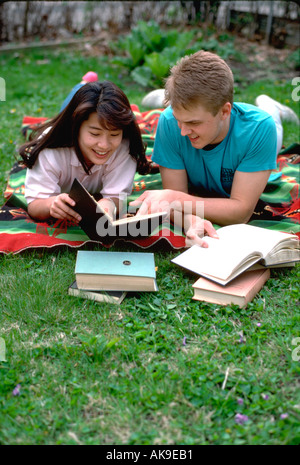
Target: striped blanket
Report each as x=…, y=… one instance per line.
x=277, y=209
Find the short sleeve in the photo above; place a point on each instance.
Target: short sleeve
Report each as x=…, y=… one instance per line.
x=167, y=150
x=42, y=181
x=262, y=147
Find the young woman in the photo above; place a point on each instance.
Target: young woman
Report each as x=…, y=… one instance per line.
x=95, y=139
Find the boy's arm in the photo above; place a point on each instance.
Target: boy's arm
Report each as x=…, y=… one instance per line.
x=245, y=192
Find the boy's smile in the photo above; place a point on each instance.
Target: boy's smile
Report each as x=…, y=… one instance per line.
x=202, y=127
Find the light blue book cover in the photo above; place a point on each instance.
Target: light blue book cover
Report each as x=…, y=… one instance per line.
x=139, y=264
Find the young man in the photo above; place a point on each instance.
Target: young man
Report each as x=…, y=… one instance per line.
x=210, y=149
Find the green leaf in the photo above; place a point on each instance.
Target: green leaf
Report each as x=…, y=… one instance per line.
x=142, y=75
x=171, y=38
x=136, y=51
x=158, y=64
x=183, y=40
x=151, y=35
x=112, y=342
x=123, y=61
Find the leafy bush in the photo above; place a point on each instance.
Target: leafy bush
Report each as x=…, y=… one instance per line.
x=150, y=52
x=156, y=67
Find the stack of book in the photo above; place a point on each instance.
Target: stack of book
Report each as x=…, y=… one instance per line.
x=235, y=267
x=108, y=276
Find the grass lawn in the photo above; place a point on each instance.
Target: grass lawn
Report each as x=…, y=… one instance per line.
x=159, y=369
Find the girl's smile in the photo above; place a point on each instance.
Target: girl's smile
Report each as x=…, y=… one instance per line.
x=96, y=143
x=101, y=155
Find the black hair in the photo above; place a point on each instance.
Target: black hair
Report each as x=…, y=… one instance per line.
x=114, y=112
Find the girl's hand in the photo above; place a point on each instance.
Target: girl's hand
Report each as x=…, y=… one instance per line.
x=60, y=207
x=195, y=228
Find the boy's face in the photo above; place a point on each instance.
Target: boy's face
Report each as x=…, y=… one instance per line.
x=96, y=143
x=202, y=127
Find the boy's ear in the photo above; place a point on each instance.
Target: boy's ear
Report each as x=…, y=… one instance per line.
x=226, y=110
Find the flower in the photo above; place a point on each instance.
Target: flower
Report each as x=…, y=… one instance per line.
x=242, y=339
x=283, y=416
x=184, y=341
x=16, y=391
x=240, y=419
x=240, y=401
x=258, y=324
x=265, y=396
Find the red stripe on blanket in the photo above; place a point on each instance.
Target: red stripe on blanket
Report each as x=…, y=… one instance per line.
x=15, y=243
x=33, y=120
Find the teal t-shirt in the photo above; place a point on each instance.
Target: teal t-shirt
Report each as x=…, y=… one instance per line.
x=250, y=145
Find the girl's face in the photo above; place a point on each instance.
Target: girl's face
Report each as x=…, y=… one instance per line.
x=96, y=143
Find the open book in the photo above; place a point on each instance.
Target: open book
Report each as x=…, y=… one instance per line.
x=98, y=225
x=238, y=248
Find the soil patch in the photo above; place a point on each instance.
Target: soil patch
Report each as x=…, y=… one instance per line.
x=263, y=62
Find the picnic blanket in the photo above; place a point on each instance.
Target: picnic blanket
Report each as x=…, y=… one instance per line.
x=278, y=207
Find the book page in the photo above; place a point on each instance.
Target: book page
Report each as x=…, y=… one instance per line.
x=284, y=256
x=135, y=219
x=261, y=239
x=220, y=259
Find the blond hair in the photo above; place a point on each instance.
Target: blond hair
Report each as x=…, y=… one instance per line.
x=202, y=78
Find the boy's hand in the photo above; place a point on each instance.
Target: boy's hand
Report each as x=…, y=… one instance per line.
x=195, y=229
x=109, y=207
x=153, y=201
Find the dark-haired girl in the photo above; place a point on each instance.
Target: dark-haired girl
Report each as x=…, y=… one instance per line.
x=95, y=139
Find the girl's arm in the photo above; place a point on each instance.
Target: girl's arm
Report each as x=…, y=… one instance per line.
x=58, y=206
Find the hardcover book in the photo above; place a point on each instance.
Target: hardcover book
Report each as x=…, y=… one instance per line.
x=113, y=297
x=239, y=291
x=97, y=224
x=115, y=271
x=238, y=248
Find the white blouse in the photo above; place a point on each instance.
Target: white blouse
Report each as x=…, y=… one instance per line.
x=55, y=169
